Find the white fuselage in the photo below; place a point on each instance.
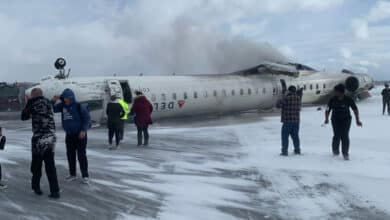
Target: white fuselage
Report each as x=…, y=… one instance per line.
x=177, y=96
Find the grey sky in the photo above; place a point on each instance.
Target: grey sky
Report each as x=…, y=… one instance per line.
x=103, y=37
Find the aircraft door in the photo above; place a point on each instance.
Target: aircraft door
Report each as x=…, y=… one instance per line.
x=127, y=94
x=114, y=88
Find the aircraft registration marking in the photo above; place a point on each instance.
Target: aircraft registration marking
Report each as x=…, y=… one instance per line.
x=163, y=106
x=168, y=106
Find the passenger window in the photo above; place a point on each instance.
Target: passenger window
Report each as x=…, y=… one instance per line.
x=324, y=86
x=264, y=90
x=185, y=96
x=233, y=92
x=241, y=91
x=215, y=93
x=304, y=87
x=317, y=86
x=257, y=91
x=205, y=94
x=249, y=91
x=274, y=90
x=153, y=97
x=311, y=87
x=195, y=95
x=163, y=97
x=224, y=93
x=174, y=96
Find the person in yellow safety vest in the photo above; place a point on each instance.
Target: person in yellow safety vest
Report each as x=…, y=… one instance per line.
x=125, y=108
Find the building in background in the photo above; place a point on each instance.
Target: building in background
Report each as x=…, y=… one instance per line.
x=12, y=98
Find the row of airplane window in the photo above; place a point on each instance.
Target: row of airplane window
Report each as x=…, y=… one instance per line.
x=224, y=93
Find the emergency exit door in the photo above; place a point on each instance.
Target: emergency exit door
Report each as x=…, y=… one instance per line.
x=284, y=86
x=115, y=88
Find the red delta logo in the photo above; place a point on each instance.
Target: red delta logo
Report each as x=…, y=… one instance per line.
x=181, y=103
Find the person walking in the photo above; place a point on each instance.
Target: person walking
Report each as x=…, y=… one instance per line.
x=39, y=109
x=114, y=113
x=340, y=106
x=142, y=109
x=124, y=118
x=75, y=122
x=2, y=146
x=290, y=117
x=386, y=99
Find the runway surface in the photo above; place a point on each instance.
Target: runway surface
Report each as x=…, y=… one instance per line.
x=215, y=168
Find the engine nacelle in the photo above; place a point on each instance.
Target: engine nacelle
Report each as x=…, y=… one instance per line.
x=352, y=84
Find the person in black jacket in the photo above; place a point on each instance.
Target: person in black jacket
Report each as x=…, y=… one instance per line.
x=114, y=113
x=339, y=105
x=386, y=99
x=2, y=145
x=43, y=141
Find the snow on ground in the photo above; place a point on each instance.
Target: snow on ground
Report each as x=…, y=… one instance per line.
x=224, y=168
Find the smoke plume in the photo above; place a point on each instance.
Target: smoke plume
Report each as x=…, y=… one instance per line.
x=191, y=49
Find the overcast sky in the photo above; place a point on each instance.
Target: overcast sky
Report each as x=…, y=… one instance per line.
x=103, y=37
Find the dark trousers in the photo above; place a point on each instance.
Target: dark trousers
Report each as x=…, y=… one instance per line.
x=50, y=167
x=143, y=132
x=341, y=129
x=77, y=147
x=122, y=130
x=386, y=103
x=290, y=129
x=114, y=130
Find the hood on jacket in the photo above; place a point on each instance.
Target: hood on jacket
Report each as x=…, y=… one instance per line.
x=69, y=94
x=141, y=98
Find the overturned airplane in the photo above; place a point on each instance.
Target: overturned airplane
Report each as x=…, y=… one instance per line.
x=188, y=95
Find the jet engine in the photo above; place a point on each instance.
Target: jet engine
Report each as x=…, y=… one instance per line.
x=352, y=84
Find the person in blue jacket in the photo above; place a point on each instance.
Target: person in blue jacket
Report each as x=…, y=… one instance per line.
x=75, y=122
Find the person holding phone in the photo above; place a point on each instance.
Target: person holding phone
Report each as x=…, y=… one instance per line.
x=43, y=141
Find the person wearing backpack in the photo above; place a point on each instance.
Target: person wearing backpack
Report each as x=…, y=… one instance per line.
x=75, y=122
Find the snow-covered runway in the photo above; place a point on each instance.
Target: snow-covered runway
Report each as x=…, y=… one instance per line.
x=225, y=168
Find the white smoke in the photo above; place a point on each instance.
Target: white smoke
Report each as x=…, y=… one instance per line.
x=145, y=38
x=191, y=49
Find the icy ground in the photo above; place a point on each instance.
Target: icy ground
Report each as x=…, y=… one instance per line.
x=225, y=168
